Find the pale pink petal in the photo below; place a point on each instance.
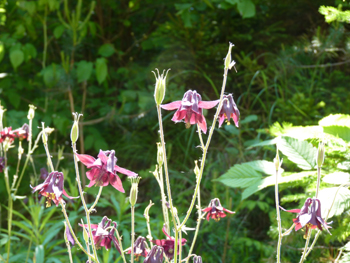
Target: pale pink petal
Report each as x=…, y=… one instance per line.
x=70, y=197
x=116, y=183
x=124, y=171
x=203, y=125
x=87, y=160
x=221, y=120
x=103, y=157
x=92, y=182
x=172, y=105
x=208, y=104
x=228, y=211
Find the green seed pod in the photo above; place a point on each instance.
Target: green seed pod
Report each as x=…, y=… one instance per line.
x=160, y=154
x=320, y=154
x=134, y=190
x=31, y=112
x=159, y=91
x=228, y=57
x=196, y=169
x=74, y=134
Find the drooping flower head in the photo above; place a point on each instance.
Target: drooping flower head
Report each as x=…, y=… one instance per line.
x=7, y=133
x=228, y=110
x=155, y=255
x=168, y=244
x=52, y=188
x=309, y=216
x=197, y=259
x=103, y=233
x=23, y=132
x=104, y=169
x=191, y=108
x=2, y=164
x=140, y=248
x=215, y=210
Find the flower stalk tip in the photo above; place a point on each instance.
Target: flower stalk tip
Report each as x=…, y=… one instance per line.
x=134, y=190
x=159, y=91
x=320, y=154
x=31, y=112
x=74, y=134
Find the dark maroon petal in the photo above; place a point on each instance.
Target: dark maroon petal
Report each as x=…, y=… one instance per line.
x=172, y=105
x=116, y=182
x=208, y=209
x=124, y=171
x=208, y=216
x=116, y=244
x=208, y=104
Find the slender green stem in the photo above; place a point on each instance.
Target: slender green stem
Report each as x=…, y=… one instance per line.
x=167, y=178
x=165, y=209
x=45, y=37
x=197, y=227
x=29, y=247
x=121, y=246
x=74, y=146
x=49, y=157
x=96, y=201
x=306, y=246
x=132, y=232
x=69, y=252
x=71, y=229
x=18, y=163
x=288, y=231
x=339, y=255
x=278, y=217
x=10, y=207
x=318, y=180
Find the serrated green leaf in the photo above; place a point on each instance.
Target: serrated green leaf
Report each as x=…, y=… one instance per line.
x=302, y=153
x=101, y=70
x=336, y=119
x=264, y=143
x=303, y=133
x=337, y=178
x=342, y=132
x=341, y=201
x=106, y=50
x=263, y=166
x=84, y=70
x=240, y=175
x=16, y=58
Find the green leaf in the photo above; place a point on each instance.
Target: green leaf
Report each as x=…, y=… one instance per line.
x=14, y=98
x=2, y=51
x=249, y=118
x=303, y=133
x=336, y=119
x=337, y=178
x=39, y=254
x=265, y=143
x=263, y=166
x=101, y=70
x=106, y=50
x=232, y=2
x=232, y=129
x=302, y=153
x=341, y=201
x=100, y=143
x=341, y=132
x=246, y=8
x=30, y=51
x=240, y=175
x=58, y=31
x=84, y=70
x=30, y=7
x=16, y=58
x=89, y=142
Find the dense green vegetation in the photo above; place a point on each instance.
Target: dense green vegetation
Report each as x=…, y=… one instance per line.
x=96, y=58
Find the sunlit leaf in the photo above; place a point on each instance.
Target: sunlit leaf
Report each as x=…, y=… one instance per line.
x=341, y=201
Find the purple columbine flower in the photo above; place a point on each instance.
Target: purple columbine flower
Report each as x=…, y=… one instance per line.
x=197, y=259
x=310, y=217
x=139, y=248
x=155, y=255
x=191, y=108
x=2, y=164
x=215, y=210
x=104, y=170
x=52, y=188
x=228, y=110
x=23, y=132
x=168, y=244
x=103, y=234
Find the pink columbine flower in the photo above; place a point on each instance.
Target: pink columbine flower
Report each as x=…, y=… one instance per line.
x=140, y=248
x=310, y=217
x=228, y=110
x=104, y=170
x=7, y=133
x=215, y=210
x=52, y=188
x=168, y=244
x=191, y=108
x=103, y=234
x=23, y=132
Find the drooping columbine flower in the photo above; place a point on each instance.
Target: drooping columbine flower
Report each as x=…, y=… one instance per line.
x=191, y=108
x=215, y=210
x=228, y=110
x=310, y=217
x=139, y=248
x=103, y=234
x=104, y=170
x=23, y=132
x=2, y=164
x=168, y=244
x=52, y=188
x=155, y=255
x=197, y=259
x=7, y=133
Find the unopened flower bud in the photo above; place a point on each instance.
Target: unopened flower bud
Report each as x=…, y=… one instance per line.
x=277, y=161
x=196, y=169
x=320, y=154
x=228, y=64
x=31, y=112
x=159, y=91
x=20, y=150
x=160, y=154
x=85, y=235
x=74, y=134
x=134, y=190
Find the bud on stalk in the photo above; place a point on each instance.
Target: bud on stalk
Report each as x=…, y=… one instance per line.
x=31, y=112
x=320, y=154
x=74, y=134
x=134, y=190
x=159, y=91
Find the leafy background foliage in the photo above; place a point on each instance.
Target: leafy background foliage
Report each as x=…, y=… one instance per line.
x=292, y=71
